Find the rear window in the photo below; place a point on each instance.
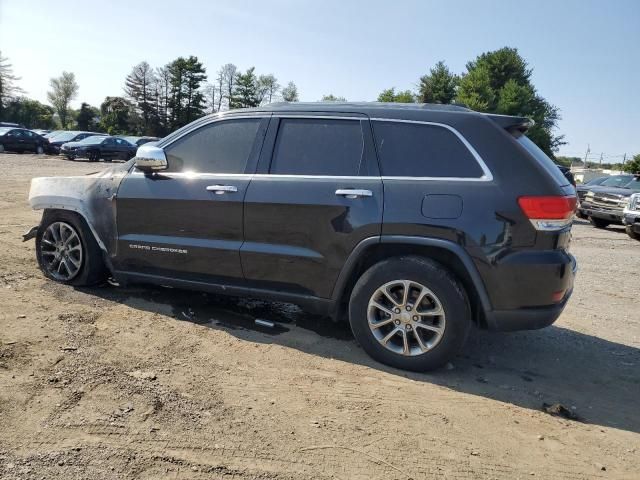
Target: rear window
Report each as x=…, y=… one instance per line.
x=318, y=146
x=542, y=158
x=419, y=150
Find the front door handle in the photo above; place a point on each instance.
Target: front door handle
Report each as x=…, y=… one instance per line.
x=353, y=193
x=221, y=189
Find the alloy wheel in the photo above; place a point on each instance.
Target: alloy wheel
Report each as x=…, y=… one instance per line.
x=406, y=317
x=61, y=251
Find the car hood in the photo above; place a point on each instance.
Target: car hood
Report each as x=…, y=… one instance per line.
x=72, y=144
x=621, y=192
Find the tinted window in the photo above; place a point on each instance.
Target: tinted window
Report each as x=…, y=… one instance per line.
x=221, y=147
x=317, y=146
x=418, y=150
x=541, y=158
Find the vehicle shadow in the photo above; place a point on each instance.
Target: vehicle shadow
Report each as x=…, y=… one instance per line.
x=599, y=380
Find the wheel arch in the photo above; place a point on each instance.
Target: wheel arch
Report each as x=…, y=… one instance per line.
x=450, y=255
x=69, y=207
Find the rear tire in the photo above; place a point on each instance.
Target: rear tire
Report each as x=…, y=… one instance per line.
x=402, y=330
x=1, y=148
x=599, y=223
x=91, y=270
x=39, y=150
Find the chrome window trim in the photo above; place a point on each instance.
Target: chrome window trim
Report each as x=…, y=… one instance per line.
x=486, y=176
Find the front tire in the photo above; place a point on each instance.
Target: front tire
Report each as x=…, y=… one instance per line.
x=410, y=313
x=67, y=252
x=631, y=233
x=599, y=223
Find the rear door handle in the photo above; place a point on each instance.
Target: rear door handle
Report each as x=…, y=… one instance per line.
x=353, y=192
x=221, y=189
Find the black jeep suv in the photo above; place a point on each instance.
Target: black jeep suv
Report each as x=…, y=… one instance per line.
x=415, y=221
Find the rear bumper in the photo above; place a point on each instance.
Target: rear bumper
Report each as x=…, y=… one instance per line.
x=534, y=317
x=525, y=318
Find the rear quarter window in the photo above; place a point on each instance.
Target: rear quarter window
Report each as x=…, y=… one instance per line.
x=541, y=158
x=421, y=150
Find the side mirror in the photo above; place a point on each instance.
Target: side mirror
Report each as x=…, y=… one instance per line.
x=150, y=159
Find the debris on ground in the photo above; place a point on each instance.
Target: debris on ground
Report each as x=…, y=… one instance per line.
x=264, y=323
x=559, y=410
x=141, y=375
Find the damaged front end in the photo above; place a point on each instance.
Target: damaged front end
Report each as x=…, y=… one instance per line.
x=90, y=196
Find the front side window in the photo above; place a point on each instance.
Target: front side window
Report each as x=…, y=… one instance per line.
x=318, y=146
x=420, y=150
x=220, y=147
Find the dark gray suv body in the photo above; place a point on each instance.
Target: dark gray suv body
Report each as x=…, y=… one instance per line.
x=416, y=220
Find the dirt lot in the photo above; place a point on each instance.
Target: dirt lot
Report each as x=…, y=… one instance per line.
x=146, y=383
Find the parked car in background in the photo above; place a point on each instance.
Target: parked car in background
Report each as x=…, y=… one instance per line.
x=53, y=133
x=140, y=140
x=605, y=205
x=40, y=131
x=631, y=217
x=567, y=173
x=99, y=147
x=55, y=142
x=11, y=124
x=21, y=140
x=286, y=202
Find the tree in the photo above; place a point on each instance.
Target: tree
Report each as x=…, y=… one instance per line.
x=88, y=117
x=390, y=95
x=8, y=88
x=226, y=79
x=63, y=90
x=332, y=98
x=268, y=88
x=186, y=100
x=140, y=88
x=500, y=82
x=290, y=92
x=28, y=112
x=210, y=92
x=633, y=165
x=439, y=86
x=246, y=92
x=118, y=115
x=163, y=87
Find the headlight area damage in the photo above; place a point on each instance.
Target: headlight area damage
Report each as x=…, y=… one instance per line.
x=91, y=196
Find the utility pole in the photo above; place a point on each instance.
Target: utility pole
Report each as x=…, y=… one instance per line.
x=586, y=156
x=601, y=153
x=624, y=159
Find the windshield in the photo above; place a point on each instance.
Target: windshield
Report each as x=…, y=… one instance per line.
x=596, y=181
x=132, y=140
x=634, y=184
x=63, y=137
x=92, y=140
x=617, y=181
x=542, y=158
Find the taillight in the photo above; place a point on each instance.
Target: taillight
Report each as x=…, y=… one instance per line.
x=548, y=212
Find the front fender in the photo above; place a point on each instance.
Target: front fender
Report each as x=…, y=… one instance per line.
x=91, y=196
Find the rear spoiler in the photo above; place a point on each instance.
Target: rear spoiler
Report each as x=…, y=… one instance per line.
x=520, y=124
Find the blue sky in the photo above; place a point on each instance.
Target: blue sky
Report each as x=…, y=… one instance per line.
x=585, y=54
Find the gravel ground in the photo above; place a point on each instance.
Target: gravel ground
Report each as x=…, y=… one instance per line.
x=115, y=383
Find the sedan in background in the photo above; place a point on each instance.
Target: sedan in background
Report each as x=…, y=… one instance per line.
x=56, y=141
x=21, y=140
x=140, y=140
x=99, y=147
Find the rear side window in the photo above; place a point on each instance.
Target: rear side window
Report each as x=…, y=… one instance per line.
x=419, y=150
x=220, y=147
x=541, y=158
x=317, y=146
